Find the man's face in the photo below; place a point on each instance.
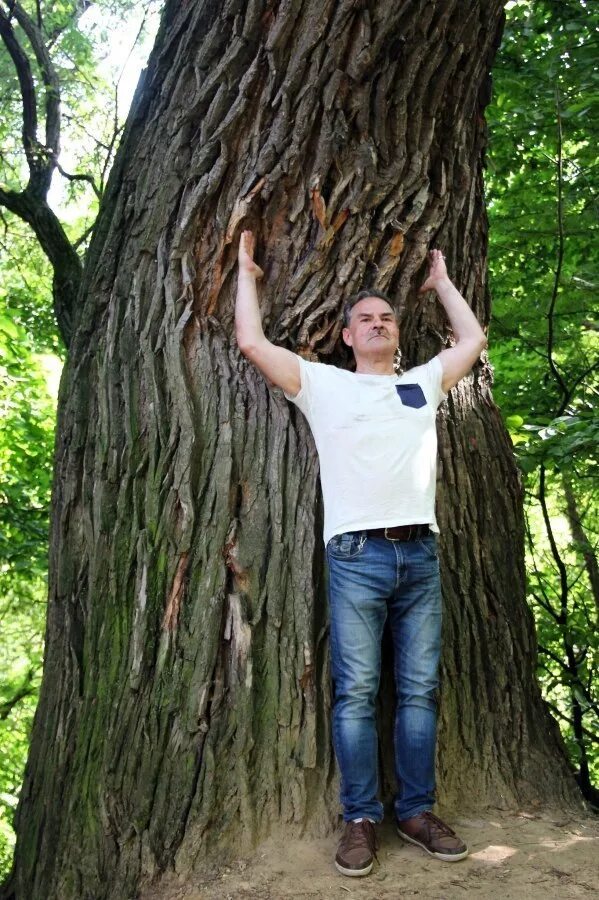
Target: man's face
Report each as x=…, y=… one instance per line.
x=373, y=329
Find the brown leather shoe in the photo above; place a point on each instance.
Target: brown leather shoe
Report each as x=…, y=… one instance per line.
x=438, y=839
x=357, y=848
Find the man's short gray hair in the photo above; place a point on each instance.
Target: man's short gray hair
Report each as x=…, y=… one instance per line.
x=362, y=295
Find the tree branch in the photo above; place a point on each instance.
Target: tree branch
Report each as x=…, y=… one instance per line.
x=560, y=249
x=88, y=178
x=579, y=535
x=25, y=690
x=65, y=262
x=43, y=172
x=31, y=204
x=82, y=239
x=559, y=563
x=23, y=69
x=589, y=734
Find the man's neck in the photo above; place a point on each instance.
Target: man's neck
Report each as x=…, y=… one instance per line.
x=375, y=367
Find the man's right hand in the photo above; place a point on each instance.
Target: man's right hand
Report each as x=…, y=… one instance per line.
x=247, y=244
x=277, y=364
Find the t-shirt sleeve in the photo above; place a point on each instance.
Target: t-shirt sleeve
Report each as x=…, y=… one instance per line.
x=303, y=398
x=433, y=372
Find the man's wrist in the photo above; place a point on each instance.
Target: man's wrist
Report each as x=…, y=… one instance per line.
x=440, y=285
x=245, y=274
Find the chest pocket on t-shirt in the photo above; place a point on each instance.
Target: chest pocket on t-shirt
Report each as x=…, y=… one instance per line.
x=411, y=395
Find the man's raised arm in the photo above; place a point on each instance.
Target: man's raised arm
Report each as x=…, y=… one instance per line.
x=470, y=338
x=278, y=365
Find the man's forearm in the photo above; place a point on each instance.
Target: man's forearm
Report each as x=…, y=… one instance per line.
x=464, y=323
x=248, y=321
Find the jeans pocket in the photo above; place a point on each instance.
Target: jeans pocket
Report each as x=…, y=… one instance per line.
x=347, y=545
x=429, y=545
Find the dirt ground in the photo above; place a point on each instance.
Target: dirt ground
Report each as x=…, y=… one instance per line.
x=526, y=855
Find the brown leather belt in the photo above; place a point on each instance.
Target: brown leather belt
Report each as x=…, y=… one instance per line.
x=401, y=532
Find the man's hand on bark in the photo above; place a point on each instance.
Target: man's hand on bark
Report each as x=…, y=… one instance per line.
x=278, y=365
x=437, y=272
x=468, y=337
x=247, y=243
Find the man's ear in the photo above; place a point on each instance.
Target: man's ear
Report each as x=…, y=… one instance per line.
x=346, y=334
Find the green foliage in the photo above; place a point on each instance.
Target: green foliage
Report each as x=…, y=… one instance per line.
x=566, y=616
x=27, y=411
x=567, y=443
x=81, y=39
x=542, y=186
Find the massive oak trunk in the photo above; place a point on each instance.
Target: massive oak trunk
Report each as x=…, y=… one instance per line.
x=186, y=699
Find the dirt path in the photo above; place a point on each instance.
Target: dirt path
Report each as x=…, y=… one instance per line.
x=540, y=856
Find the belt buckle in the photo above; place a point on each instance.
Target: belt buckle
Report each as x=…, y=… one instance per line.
x=388, y=536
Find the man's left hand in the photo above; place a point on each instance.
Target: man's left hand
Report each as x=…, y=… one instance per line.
x=437, y=271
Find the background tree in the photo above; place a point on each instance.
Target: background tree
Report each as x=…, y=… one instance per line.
x=93, y=92
x=543, y=190
x=185, y=691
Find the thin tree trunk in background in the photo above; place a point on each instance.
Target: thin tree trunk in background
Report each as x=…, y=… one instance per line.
x=185, y=701
x=575, y=522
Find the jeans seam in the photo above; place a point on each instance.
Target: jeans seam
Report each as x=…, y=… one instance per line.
x=424, y=546
x=397, y=564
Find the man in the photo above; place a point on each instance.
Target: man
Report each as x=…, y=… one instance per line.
x=376, y=439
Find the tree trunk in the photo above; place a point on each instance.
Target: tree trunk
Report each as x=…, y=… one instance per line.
x=185, y=700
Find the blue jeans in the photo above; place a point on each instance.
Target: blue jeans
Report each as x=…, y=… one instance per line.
x=370, y=578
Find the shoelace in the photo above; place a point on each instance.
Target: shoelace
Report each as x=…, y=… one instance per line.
x=363, y=834
x=436, y=824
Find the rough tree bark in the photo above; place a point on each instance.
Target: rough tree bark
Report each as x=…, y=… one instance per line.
x=185, y=699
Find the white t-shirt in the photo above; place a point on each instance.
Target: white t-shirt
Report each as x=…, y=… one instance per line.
x=377, y=444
